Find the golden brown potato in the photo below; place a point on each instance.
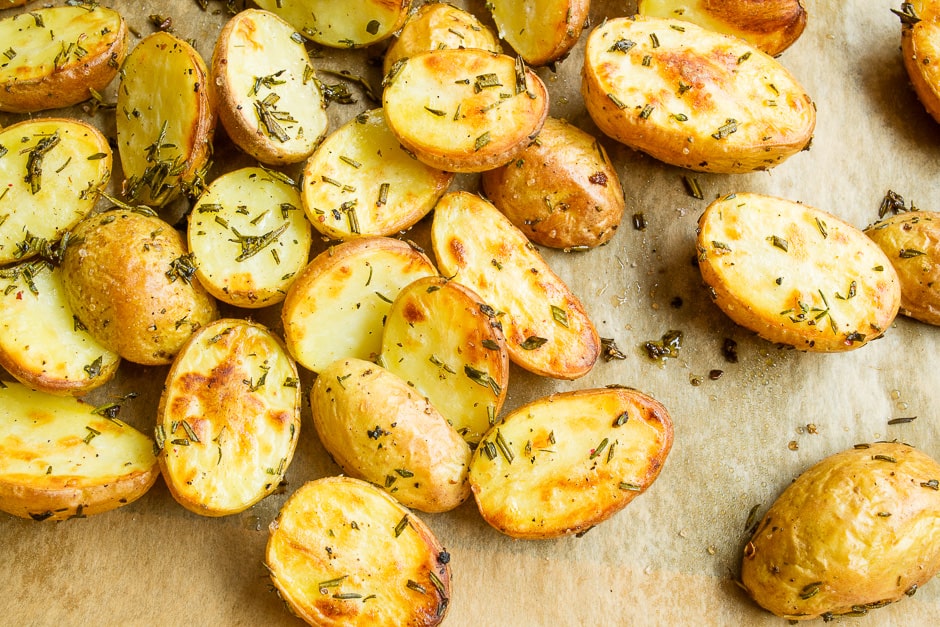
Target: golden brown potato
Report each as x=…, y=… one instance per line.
x=540, y=31
x=794, y=274
x=343, y=552
x=858, y=530
x=342, y=24
x=692, y=97
x=129, y=280
x=912, y=243
x=561, y=191
x=56, y=56
x=920, y=47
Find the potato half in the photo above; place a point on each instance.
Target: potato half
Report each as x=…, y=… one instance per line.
x=693, y=98
x=547, y=329
x=59, y=459
x=342, y=24
x=857, y=531
x=794, y=274
x=920, y=47
x=56, y=56
x=540, y=31
x=343, y=552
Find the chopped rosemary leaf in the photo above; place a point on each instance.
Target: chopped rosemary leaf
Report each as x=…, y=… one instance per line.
x=560, y=316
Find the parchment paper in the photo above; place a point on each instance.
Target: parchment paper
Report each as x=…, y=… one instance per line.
x=672, y=555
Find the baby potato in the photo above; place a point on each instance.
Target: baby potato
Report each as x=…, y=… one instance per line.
x=562, y=191
x=129, y=280
x=912, y=242
x=342, y=24
x=380, y=429
x=540, y=31
x=855, y=532
x=920, y=45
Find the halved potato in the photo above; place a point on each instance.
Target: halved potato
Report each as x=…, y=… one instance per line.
x=249, y=236
x=440, y=338
x=361, y=182
x=342, y=552
x=379, y=428
x=342, y=24
x=547, y=330
x=566, y=462
x=59, y=459
x=269, y=100
x=42, y=343
x=166, y=116
x=692, y=97
x=920, y=47
x=53, y=171
x=337, y=306
x=794, y=274
x=55, y=56
x=464, y=110
x=540, y=31
x=228, y=419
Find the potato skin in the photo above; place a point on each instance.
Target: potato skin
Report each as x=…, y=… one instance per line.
x=556, y=32
x=920, y=47
x=858, y=530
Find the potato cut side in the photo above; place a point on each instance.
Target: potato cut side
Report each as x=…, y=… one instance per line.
x=166, y=116
x=361, y=182
x=547, y=329
x=569, y=461
x=270, y=102
x=249, y=236
x=380, y=429
x=464, y=110
x=229, y=418
x=920, y=47
x=341, y=551
x=449, y=345
x=540, y=31
x=794, y=274
x=53, y=171
x=342, y=24
x=59, y=459
x=55, y=56
x=337, y=306
x=693, y=98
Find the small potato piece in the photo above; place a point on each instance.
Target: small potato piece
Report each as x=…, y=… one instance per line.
x=860, y=529
x=249, y=259
x=379, y=428
x=128, y=278
x=40, y=344
x=344, y=553
x=337, y=306
x=464, y=110
x=920, y=48
x=67, y=163
x=342, y=24
x=692, y=97
x=540, y=31
x=769, y=25
x=794, y=274
x=361, y=182
x=562, y=191
x=55, y=56
x=270, y=102
x=912, y=243
x=166, y=119
x=547, y=330
x=446, y=343
x=59, y=460
x=580, y=457
x=228, y=419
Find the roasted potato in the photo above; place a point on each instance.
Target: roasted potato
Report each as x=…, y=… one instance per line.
x=464, y=110
x=540, y=31
x=693, y=97
x=56, y=56
x=855, y=532
x=547, y=329
x=342, y=552
x=912, y=243
x=920, y=48
x=59, y=459
x=129, y=280
x=794, y=274
x=342, y=24
x=53, y=171
x=580, y=457
x=769, y=25
x=337, y=306
x=380, y=429
x=562, y=191
x=361, y=182
x=270, y=102
x=249, y=237
x=166, y=116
